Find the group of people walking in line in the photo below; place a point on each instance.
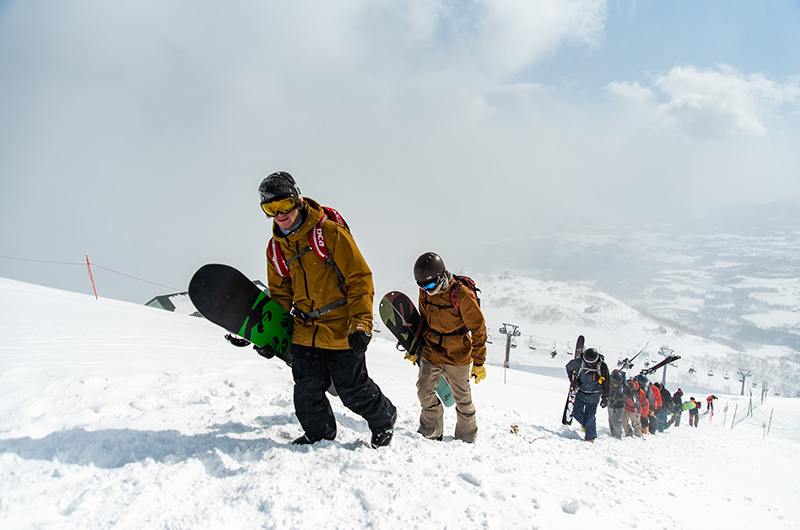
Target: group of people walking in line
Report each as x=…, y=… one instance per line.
x=316, y=272
x=635, y=406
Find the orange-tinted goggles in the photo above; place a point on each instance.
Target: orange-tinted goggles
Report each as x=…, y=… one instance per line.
x=282, y=206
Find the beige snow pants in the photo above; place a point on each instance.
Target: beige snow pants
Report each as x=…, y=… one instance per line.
x=431, y=420
x=632, y=423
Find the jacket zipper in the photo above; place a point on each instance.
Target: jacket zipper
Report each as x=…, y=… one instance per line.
x=308, y=295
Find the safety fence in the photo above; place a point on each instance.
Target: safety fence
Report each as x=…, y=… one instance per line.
x=759, y=415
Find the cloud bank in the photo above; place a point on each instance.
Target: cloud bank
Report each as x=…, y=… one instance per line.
x=137, y=132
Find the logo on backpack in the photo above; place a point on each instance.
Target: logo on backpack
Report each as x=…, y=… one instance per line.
x=317, y=244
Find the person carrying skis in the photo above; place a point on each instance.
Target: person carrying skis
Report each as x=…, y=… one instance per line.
x=666, y=406
x=655, y=409
x=645, y=404
x=454, y=338
x=632, y=416
x=616, y=403
x=590, y=373
x=661, y=406
x=331, y=303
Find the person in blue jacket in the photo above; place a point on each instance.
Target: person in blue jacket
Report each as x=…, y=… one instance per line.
x=590, y=372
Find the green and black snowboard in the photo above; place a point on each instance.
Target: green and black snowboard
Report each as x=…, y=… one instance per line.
x=229, y=299
x=404, y=321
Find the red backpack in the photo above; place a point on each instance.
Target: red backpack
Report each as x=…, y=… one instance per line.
x=317, y=244
x=470, y=284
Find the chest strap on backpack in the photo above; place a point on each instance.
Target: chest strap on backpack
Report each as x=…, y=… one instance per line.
x=311, y=315
x=461, y=331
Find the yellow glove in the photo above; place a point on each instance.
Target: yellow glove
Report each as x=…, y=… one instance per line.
x=411, y=357
x=478, y=372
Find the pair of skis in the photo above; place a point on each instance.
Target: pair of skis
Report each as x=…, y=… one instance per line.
x=627, y=364
x=668, y=359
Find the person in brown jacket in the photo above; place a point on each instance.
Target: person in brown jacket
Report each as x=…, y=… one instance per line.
x=332, y=308
x=454, y=339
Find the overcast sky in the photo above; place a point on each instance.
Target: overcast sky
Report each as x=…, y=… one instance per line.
x=137, y=132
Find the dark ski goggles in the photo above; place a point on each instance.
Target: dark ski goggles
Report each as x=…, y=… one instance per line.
x=282, y=206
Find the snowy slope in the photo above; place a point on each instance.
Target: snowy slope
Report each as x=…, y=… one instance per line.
x=119, y=416
x=551, y=314
x=555, y=310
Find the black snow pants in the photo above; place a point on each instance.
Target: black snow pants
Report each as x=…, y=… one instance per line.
x=313, y=370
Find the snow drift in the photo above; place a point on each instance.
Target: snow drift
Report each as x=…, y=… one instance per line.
x=114, y=415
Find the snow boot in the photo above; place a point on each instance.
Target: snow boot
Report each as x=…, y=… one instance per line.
x=381, y=438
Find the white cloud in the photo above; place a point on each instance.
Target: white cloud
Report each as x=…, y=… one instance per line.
x=489, y=37
x=631, y=92
x=713, y=102
x=723, y=101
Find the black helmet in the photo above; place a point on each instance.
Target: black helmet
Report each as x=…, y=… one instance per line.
x=591, y=356
x=429, y=268
x=616, y=377
x=277, y=186
x=642, y=380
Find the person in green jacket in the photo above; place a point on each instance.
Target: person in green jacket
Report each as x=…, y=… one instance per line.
x=694, y=411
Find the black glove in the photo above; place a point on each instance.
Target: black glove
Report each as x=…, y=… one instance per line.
x=603, y=402
x=268, y=353
x=358, y=341
x=286, y=357
x=237, y=341
x=265, y=351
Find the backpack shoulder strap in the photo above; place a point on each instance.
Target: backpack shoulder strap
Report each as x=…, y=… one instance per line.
x=463, y=280
x=317, y=240
x=276, y=257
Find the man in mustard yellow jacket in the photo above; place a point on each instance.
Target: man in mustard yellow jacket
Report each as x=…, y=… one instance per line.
x=332, y=307
x=454, y=339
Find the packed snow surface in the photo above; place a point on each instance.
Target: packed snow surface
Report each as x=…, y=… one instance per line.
x=114, y=415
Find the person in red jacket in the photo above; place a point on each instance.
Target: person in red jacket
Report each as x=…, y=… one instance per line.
x=644, y=408
x=656, y=409
x=710, y=403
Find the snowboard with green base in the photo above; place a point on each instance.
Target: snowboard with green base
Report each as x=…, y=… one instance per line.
x=229, y=299
x=404, y=321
